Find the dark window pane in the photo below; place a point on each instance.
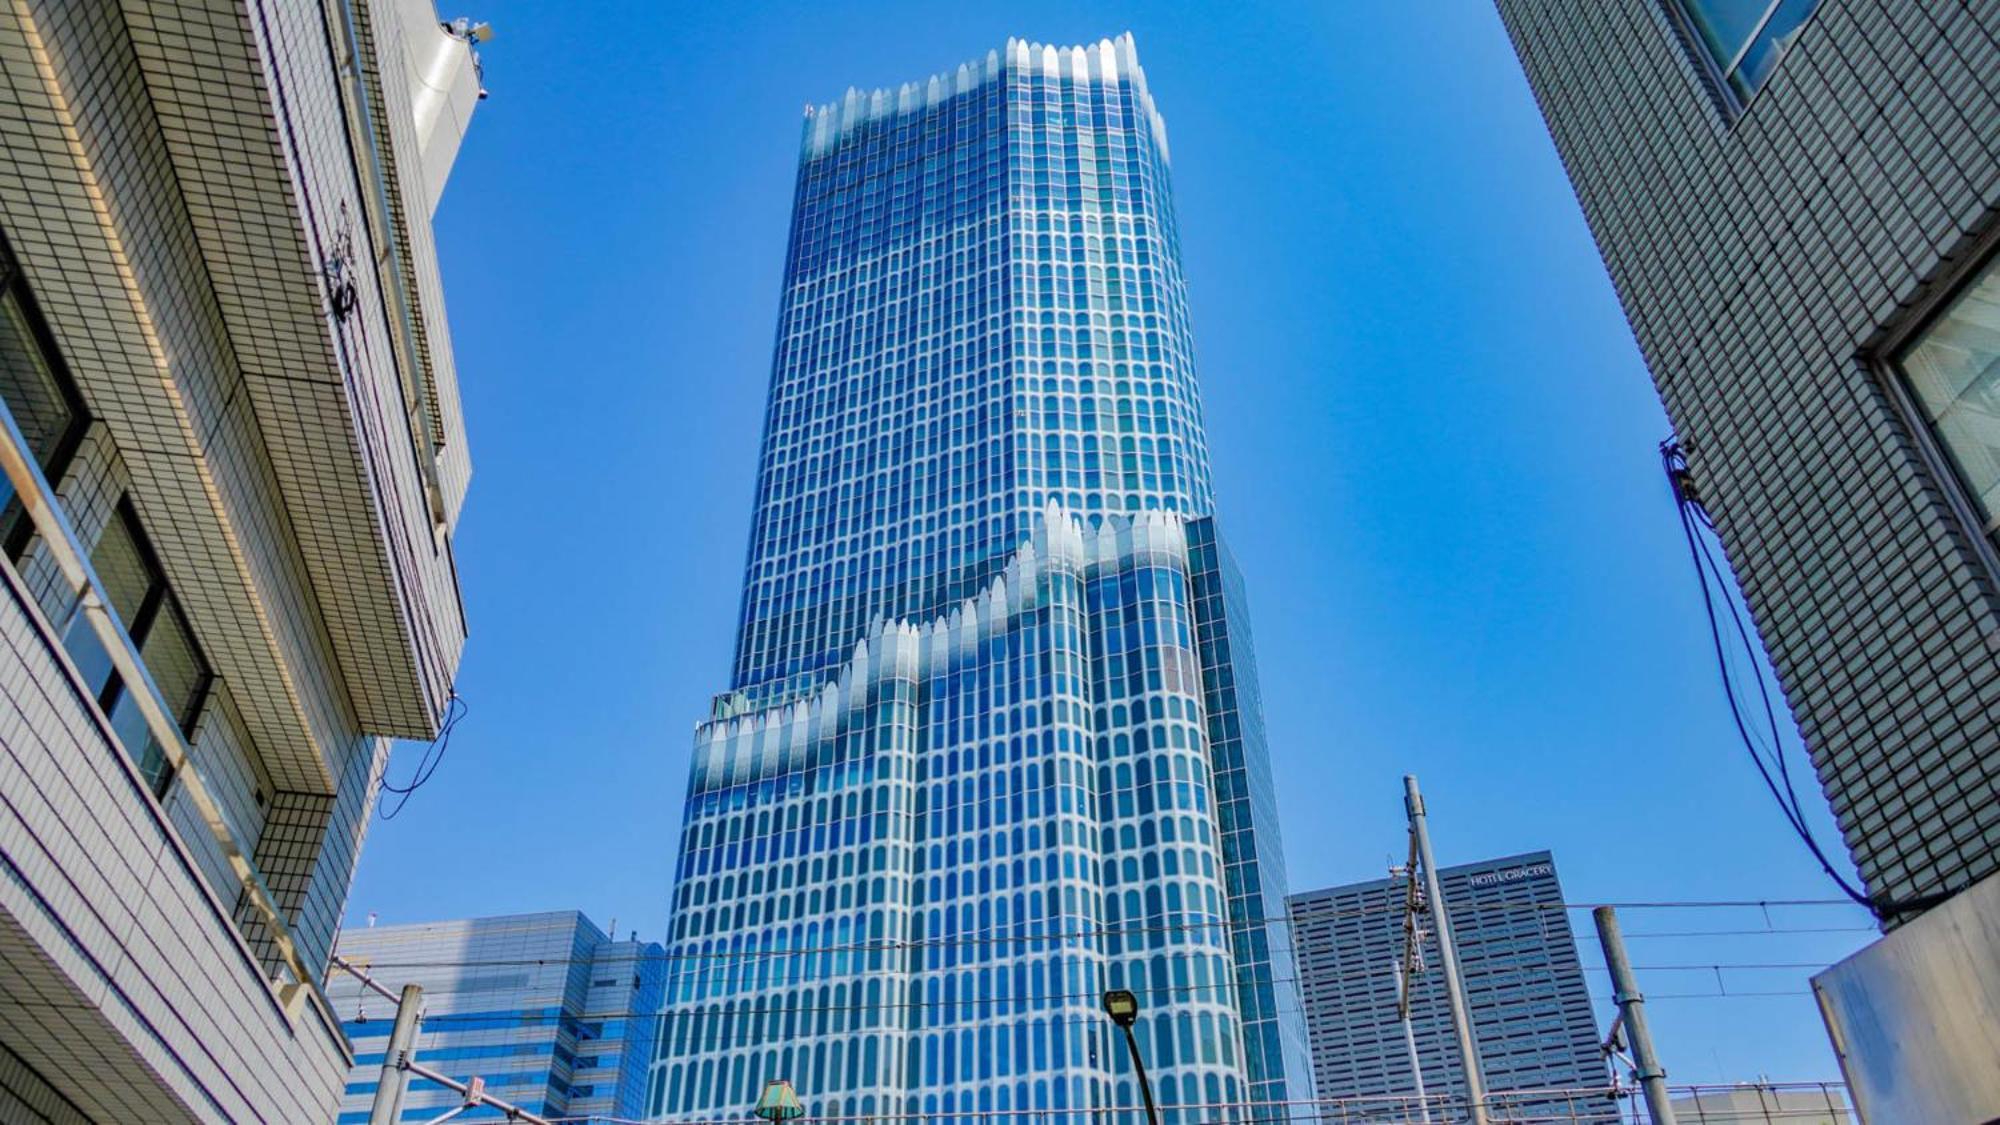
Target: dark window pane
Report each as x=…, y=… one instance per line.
x=122, y=568
x=137, y=739
x=138, y=591
x=176, y=666
x=34, y=397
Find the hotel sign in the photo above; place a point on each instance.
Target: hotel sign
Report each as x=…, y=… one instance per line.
x=1509, y=875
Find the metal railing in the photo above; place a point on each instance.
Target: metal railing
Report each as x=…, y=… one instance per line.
x=72, y=561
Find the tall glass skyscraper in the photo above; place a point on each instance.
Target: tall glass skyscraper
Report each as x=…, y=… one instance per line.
x=993, y=744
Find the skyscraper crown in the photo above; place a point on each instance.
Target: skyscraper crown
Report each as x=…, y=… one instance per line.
x=1106, y=62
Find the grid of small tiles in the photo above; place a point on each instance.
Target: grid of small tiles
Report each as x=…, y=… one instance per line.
x=156, y=164
x=1762, y=257
x=26, y=1096
x=1524, y=987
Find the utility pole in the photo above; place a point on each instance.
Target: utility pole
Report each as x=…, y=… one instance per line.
x=1410, y=1042
x=388, y=1107
x=1407, y=968
x=1632, y=1013
x=1454, y=985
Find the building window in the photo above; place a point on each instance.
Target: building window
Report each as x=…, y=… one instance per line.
x=1742, y=40
x=39, y=395
x=1951, y=372
x=137, y=589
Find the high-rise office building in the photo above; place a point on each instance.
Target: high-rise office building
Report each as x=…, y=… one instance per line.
x=233, y=459
x=993, y=744
x=1524, y=988
x=555, y=1016
x=1797, y=204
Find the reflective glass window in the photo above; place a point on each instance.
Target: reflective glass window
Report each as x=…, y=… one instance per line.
x=137, y=590
x=1744, y=39
x=1952, y=373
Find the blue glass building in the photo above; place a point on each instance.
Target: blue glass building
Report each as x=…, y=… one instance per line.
x=993, y=744
x=554, y=1015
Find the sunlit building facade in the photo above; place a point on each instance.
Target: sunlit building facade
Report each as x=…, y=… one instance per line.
x=551, y=1013
x=1524, y=988
x=232, y=462
x=993, y=744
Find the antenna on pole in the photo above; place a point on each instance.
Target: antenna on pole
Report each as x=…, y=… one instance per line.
x=1454, y=985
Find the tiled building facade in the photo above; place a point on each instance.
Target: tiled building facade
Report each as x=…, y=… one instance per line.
x=234, y=462
x=1796, y=203
x=1524, y=989
x=555, y=1016
x=994, y=744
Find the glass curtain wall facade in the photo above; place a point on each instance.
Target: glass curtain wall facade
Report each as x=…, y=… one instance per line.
x=550, y=1012
x=993, y=743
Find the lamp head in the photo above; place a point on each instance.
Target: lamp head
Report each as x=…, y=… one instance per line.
x=1121, y=1006
x=779, y=1102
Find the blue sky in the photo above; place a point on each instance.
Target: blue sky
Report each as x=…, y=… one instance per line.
x=1433, y=438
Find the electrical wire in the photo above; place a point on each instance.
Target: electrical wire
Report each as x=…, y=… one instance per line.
x=754, y=1035
x=1226, y=926
x=433, y=756
x=1630, y=934
x=1775, y=772
x=1159, y=993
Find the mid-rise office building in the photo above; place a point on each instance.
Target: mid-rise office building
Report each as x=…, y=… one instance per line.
x=994, y=743
x=1524, y=988
x=554, y=1015
x=1799, y=205
x=233, y=459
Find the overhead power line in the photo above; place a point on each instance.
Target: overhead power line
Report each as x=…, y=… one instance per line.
x=1224, y=926
x=981, y=1007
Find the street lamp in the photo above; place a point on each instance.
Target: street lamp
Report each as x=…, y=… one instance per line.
x=1123, y=1008
x=779, y=1102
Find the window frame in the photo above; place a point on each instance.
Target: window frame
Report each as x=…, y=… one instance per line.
x=1731, y=104
x=1883, y=358
x=159, y=598
x=20, y=529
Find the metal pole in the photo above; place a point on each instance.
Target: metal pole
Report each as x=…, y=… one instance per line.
x=336, y=961
x=475, y=1094
x=1454, y=986
x=1139, y=1068
x=1410, y=1041
x=388, y=1107
x=1632, y=1011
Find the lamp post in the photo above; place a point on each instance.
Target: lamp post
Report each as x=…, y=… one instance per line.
x=779, y=1102
x=1123, y=1008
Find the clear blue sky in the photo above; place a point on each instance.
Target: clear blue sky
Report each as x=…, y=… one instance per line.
x=1433, y=438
